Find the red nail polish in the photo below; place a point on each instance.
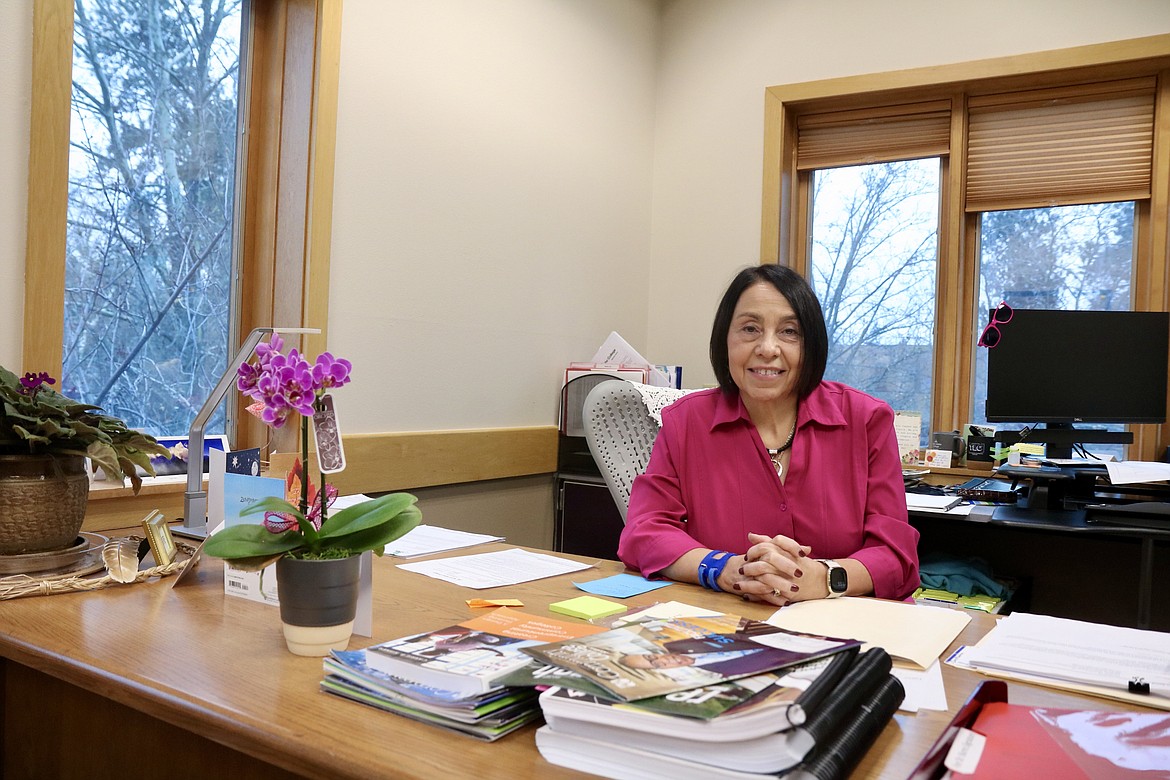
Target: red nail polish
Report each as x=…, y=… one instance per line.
x=802, y=553
x=741, y=570
x=736, y=586
x=799, y=573
x=795, y=588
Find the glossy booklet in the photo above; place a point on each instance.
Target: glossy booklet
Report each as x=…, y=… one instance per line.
x=470, y=657
x=654, y=656
x=705, y=703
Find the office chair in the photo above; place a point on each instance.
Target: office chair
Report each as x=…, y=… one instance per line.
x=620, y=429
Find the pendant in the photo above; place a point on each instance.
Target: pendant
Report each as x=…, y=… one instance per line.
x=779, y=466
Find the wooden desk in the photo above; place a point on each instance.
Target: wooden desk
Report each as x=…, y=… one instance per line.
x=145, y=681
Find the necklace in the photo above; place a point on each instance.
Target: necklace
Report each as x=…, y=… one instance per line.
x=776, y=453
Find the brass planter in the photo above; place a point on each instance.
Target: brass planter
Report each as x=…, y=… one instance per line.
x=42, y=502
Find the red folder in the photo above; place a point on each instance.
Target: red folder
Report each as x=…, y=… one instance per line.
x=1039, y=742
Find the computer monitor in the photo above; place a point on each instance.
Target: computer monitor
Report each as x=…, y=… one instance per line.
x=1063, y=368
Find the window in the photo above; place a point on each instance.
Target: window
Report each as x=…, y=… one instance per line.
x=291, y=66
x=1046, y=191
x=872, y=263
x=1067, y=257
x=151, y=202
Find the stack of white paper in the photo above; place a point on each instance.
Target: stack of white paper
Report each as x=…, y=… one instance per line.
x=1065, y=653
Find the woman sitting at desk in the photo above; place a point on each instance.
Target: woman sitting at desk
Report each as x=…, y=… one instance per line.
x=776, y=485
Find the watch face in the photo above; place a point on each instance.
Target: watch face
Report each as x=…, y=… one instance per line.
x=838, y=579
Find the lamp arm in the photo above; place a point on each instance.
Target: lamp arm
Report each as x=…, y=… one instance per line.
x=195, y=497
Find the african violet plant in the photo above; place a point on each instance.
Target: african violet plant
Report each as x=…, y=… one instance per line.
x=35, y=418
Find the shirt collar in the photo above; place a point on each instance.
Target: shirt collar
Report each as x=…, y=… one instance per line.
x=821, y=406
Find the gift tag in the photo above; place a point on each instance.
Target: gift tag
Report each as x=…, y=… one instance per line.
x=330, y=454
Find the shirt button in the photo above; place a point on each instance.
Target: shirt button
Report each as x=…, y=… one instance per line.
x=784, y=507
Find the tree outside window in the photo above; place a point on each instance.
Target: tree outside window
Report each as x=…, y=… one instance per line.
x=1064, y=257
x=873, y=264
x=151, y=202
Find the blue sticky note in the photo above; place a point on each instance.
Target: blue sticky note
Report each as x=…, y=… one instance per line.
x=621, y=586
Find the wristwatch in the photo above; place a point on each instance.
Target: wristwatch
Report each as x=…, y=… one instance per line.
x=837, y=578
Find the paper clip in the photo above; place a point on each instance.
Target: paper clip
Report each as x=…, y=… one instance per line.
x=1139, y=685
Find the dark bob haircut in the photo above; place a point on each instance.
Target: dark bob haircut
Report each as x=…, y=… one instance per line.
x=804, y=302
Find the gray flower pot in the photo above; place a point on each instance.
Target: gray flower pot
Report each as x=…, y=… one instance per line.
x=318, y=601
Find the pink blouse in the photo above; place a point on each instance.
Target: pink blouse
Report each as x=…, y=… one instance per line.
x=710, y=482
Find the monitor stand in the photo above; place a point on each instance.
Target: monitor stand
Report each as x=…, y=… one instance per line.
x=1059, y=438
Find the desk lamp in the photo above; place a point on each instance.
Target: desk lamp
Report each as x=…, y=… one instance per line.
x=195, y=499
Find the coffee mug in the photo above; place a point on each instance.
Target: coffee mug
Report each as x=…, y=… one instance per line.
x=952, y=441
x=979, y=448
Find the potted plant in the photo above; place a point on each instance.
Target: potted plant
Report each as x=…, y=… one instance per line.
x=317, y=554
x=45, y=438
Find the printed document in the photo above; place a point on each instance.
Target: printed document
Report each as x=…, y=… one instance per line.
x=427, y=539
x=1051, y=650
x=495, y=569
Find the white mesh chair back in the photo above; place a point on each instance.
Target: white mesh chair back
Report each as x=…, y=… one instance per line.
x=620, y=432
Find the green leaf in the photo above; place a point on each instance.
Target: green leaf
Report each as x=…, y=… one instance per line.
x=242, y=542
x=272, y=504
x=368, y=514
x=378, y=536
x=103, y=455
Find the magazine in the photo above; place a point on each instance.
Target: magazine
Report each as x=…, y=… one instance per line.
x=445, y=703
x=653, y=656
x=704, y=703
x=469, y=658
x=489, y=728
x=762, y=716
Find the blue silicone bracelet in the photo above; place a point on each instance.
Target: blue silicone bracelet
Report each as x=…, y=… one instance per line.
x=711, y=567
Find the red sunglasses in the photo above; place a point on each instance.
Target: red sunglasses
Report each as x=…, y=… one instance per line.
x=1002, y=315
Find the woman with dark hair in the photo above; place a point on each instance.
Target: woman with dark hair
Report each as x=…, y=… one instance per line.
x=777, y=485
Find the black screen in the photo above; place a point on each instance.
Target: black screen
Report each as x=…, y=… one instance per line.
x=1079, y=366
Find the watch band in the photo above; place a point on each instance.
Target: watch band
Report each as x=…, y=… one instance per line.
x=836, y=578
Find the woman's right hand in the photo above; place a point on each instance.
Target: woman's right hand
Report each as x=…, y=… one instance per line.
x=774, y=570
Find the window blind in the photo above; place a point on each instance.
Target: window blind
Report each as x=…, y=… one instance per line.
x=1056, y=147
x=873, y=135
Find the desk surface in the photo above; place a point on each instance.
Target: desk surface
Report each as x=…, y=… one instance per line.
x=195, y=658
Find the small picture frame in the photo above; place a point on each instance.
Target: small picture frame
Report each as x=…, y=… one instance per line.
x=158, y=535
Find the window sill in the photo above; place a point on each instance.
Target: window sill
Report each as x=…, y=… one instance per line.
x=114, y=506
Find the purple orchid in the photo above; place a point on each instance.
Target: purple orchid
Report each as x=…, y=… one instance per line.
x=287, y=384
x=330, y=371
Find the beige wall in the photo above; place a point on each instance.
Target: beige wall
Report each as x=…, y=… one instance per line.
x=491, y=206
x=15, y=89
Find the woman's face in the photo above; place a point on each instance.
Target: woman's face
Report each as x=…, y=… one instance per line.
x=765, y=345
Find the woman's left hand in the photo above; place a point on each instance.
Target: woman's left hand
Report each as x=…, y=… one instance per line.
x=778, y=569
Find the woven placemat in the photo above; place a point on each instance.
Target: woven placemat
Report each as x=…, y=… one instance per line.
x=19, y=585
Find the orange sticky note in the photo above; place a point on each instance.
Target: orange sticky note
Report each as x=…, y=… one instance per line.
x=483, y=603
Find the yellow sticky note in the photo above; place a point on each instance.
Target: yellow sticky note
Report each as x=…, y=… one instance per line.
x=482, y=603
x=587, y=607
x=1028, y=449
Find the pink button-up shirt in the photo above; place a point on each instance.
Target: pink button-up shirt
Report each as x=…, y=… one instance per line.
x=710, y=482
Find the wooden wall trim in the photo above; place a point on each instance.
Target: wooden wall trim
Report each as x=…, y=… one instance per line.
x=401, y=461
x=376, y=462
x=1031, y=63
x=48, y=185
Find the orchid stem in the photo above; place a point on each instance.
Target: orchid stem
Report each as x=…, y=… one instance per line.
x=305, y=466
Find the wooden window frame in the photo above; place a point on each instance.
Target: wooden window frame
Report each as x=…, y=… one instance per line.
x=785, y=221
x=287, y=187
